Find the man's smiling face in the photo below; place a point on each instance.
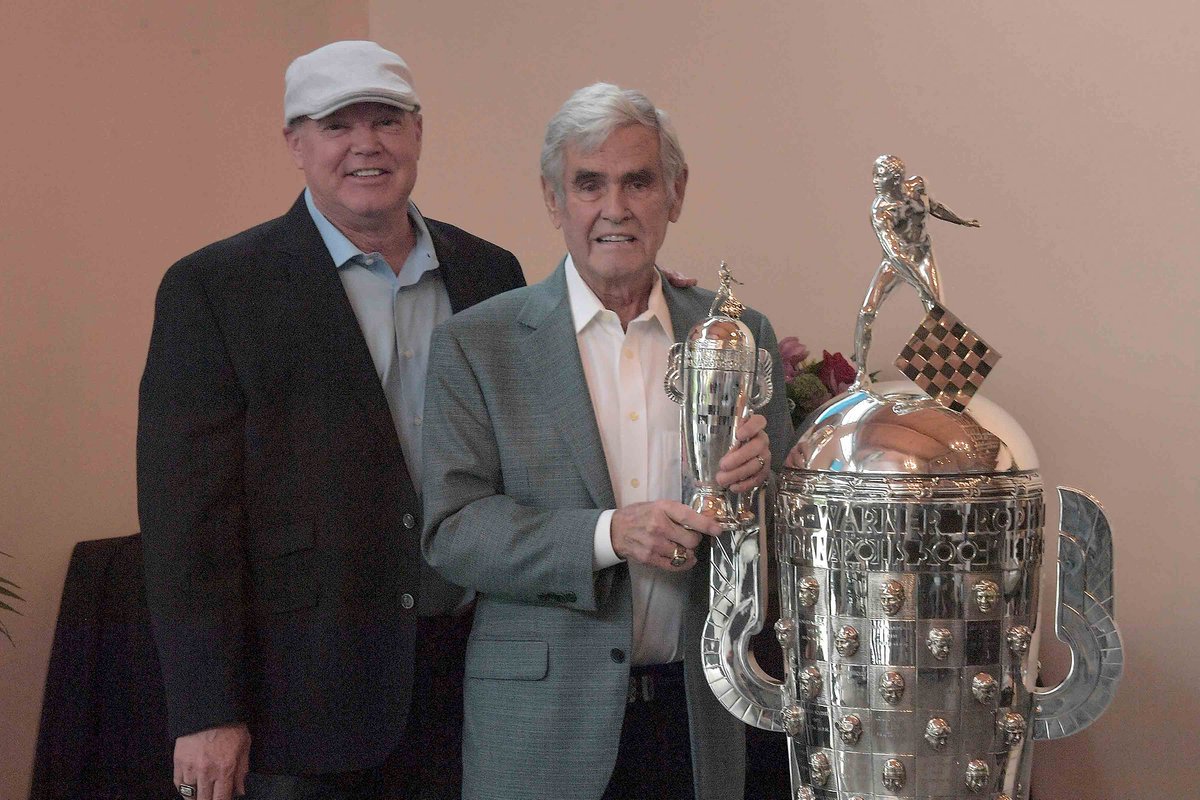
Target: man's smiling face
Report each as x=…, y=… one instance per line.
x=616, y=206
x=360, y=162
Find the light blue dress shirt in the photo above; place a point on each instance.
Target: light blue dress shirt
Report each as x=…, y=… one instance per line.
x=397, y=314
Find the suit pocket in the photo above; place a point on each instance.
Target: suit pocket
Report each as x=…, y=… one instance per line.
x=281, y=565
x=281, y=540
x=507, y=660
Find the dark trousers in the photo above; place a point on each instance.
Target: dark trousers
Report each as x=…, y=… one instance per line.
x=426, y=764
x=655, y=756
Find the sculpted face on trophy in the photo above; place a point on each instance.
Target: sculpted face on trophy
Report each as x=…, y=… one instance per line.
x=984, y=688
x=807, y=591
x=894, y=774
x=978, y=773
x=846, y=641
x=987, y=594
x=1012, y=726
x=891, y=687
x=891, y=597
x=849, y=729
x=819, y=768
x=939, y=642
x=937, y=733
x=1019, y=637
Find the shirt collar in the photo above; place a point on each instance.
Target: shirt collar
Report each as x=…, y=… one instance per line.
x=342, y=250
x=586, y=306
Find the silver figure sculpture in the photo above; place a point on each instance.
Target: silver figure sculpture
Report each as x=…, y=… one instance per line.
x=898, y=216
x=909, y=538
x=721, y=378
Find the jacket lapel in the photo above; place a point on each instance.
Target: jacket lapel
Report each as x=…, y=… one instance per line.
x=551, y=353
x=334, y=337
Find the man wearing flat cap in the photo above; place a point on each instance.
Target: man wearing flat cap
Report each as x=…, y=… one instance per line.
x=302, y=639
x=553, y=489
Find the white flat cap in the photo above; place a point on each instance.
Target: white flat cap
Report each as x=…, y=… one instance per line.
x=344, y=73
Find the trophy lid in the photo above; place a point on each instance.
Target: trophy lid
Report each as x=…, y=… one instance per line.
x=723, y=329
x=895, y=428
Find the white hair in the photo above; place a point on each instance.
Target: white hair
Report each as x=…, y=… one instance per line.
x=589, y=117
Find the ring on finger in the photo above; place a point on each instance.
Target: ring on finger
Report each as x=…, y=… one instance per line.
x=678, y=556
x=762, y=464
x=187, y=790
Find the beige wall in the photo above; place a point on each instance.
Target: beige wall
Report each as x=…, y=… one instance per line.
x=136, y=132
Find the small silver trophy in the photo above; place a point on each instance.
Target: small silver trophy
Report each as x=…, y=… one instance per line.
x=721, y=378
x=908, y=529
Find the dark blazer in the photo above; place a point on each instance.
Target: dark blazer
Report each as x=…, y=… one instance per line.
x=281, y=526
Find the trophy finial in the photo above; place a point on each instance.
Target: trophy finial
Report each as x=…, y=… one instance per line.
x=725, y=302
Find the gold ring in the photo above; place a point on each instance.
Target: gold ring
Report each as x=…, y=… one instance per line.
x=678, y=556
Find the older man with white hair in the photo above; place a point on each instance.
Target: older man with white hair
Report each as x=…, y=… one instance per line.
x=553, y=489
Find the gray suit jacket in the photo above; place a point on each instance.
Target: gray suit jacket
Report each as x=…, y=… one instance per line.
x=515, y=482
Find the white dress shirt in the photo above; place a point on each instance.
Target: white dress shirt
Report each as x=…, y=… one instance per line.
x=639, y=430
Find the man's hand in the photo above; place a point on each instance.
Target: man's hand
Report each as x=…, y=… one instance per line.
x=678, y=279
x=650, y=533
x=748, y=464
x=215, y=761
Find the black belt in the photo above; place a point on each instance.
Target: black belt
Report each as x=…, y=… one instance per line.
x=654, y=680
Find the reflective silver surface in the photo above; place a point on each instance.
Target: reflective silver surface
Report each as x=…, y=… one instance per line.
x=720, y=378
x=898, y=216
x=1085, y=618
x=909, y=538
x=910, y=596
x=892, y=429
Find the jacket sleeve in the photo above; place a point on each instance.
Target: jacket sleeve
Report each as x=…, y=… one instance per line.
x=475, y=534
x=190, y=503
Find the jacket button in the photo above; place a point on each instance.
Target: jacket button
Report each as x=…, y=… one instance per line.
x=409, y=521
x=407, y=601
x=618, y=655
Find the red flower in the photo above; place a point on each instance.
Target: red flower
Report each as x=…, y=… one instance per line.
x=836, y=372
x=792, y=354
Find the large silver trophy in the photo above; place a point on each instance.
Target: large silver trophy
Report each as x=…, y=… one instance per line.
x=720, y=377
x=908, y=526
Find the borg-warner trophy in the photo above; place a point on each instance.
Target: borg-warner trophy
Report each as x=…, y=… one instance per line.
x=725, y=378
x=908, y=529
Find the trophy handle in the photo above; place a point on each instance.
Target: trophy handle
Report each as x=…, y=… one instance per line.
x=737, y=604
x=764, y=387
x=1085, y=619
x=672, y=380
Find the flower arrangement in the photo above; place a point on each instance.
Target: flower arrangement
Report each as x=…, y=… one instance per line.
x=811, y=382
x=7, y=593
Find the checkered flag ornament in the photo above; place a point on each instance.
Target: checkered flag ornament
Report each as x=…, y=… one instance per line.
x=947, y=359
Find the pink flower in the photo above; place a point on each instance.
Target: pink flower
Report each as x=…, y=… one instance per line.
x=836, y=372
x=792, y=353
